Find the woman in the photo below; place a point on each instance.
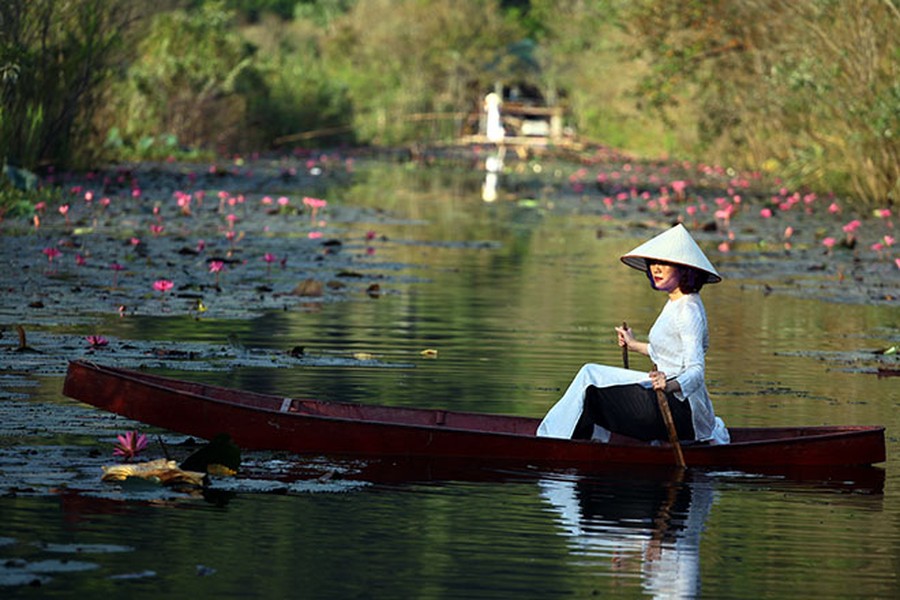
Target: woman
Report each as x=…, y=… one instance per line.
x=602, y=400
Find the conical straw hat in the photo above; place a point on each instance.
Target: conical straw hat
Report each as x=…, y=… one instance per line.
x=675, y=246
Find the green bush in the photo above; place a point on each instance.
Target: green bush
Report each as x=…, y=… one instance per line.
x=191, y=78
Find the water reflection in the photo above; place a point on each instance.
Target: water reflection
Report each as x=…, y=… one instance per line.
x=636, y=527
x=493, y=165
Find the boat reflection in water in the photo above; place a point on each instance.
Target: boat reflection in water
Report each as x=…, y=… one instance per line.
x=648, y=527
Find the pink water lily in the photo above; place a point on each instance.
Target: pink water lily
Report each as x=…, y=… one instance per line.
x=51, y=252
x=314, y=204
x=162, y=285
x=116, y=267
x=97, y=341
x=129, y=444
x=216, y=266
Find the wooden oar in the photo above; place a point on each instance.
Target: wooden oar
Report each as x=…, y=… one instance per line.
x=670, y=426
x=664, y=409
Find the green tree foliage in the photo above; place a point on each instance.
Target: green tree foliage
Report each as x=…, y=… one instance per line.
x=806, y=88
x=403, y=59
x=301, y=99
x=193, y=78
x=53, y=57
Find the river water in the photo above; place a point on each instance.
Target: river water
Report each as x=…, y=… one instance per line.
x=513, y=296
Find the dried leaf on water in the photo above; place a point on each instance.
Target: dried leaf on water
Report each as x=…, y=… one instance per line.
x=165, y=471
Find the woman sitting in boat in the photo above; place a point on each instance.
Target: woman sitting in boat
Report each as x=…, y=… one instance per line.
x=602, y=400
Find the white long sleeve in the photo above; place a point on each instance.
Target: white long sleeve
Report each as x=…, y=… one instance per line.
x=677, y=345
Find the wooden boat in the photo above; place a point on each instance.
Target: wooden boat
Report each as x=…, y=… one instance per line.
x=304, y=426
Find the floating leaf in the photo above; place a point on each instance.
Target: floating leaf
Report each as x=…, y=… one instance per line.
x=429, y=353
x=308, y=287
x=161, y=470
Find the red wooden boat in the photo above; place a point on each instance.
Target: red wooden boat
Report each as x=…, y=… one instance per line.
x=267, y=422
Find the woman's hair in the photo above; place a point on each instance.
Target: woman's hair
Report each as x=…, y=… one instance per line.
x=690, y=280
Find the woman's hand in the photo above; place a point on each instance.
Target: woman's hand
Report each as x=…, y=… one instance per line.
x=627, y=340
x=658, y=379
x=625, y=336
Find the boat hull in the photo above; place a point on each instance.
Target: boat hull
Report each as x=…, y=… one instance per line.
x=267, y=422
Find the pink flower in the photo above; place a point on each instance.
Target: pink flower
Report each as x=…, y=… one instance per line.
x=889, y=240
x=724, y=247
x=828, y=242
x=215, y=266
x=64, y=209
x=162, y=285
x=897, y=262
x=766, y=213
x=80, y=260
x=51, y=252
x=269, y=257
x=97, y=341
x=834, y=208
x=156, y=229
x=314, y=204
x=852, y=226
x=135, y=241
x=129, y=444
x=314, y=235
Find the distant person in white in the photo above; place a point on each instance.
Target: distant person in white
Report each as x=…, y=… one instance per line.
x=495, y=135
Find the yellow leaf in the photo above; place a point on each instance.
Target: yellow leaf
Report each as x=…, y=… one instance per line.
x=216, y=469
x=429, y=353
x=363, y=356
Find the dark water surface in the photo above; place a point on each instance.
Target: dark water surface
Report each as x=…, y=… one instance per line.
x=514, y=298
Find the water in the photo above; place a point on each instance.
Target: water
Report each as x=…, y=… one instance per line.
x=514, y=298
